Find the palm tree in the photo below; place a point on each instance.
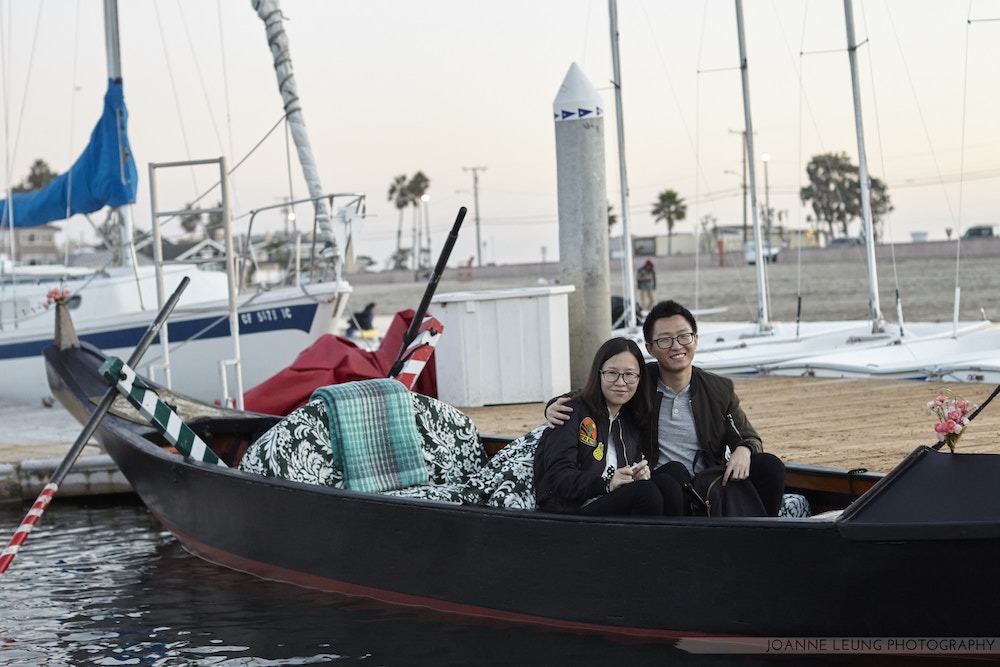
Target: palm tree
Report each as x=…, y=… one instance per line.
x=400, y=196
x=670, y=208
x=417, y=187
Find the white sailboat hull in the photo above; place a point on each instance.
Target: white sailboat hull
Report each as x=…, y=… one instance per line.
x=916, y=357
x=275, y=325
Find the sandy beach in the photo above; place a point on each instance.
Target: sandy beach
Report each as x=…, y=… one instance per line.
x=842, y=423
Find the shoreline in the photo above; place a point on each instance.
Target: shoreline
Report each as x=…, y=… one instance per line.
x=838, y=423
x=835, y=288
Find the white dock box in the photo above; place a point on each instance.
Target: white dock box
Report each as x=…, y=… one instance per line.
x=503, y=346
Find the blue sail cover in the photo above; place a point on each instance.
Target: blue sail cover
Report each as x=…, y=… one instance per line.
x=104, y=175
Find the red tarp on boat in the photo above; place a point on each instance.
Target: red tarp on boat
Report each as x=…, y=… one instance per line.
x=333, y=360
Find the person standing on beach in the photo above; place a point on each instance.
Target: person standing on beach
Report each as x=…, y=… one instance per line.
x=592, y=463
x=696, y=418
x=646, y=282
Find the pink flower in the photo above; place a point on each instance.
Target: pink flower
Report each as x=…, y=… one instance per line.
x=952, y=414
x=56, y=295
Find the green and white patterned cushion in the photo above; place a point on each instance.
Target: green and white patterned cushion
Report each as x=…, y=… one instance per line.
x=508, y=479
x=794, y=505
x=452, y=447
x=297, y=448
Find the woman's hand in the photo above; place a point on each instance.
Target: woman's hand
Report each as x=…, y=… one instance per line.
x=557, y=413
x=629, y=474
x=739, y=465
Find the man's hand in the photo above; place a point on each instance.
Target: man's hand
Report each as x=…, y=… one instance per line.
x=558, y=412
x=739, y=465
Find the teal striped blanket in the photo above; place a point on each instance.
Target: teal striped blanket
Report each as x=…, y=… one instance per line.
x=373, y=433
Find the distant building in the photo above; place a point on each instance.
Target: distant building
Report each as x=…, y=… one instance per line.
x=32, y=245
x=730, y=237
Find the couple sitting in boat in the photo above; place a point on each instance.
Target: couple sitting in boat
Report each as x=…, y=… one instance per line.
x=631, y=440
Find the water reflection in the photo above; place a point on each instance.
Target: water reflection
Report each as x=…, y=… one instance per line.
x=106, y=585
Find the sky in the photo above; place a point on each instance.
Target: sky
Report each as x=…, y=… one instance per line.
x=391, y=87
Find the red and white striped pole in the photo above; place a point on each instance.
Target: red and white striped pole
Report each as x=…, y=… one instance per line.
x=30, y=519
x=35, y=513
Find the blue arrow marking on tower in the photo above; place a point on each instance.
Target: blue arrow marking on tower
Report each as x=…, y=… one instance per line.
x=566, y=114
x=584, y=112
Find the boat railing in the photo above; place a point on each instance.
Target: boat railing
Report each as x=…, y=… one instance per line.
x=229, y=260
x=239, y=258
x=321, y=257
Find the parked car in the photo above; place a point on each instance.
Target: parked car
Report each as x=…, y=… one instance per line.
x=845, y=240
x=770, y=252
x=980, y=232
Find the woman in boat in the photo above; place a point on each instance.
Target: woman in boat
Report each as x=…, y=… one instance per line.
x=695, y=415
x=592, y=463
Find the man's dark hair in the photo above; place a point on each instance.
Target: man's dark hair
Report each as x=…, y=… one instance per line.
x=666, y=309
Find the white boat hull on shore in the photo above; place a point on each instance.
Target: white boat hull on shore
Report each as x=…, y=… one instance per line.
x=275, y=325
x=949, y=354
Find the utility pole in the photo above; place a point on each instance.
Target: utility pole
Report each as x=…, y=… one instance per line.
x=475, y=203
x=743, y=180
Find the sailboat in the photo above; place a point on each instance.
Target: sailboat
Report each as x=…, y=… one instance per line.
x=221, y=337
x=764, y=346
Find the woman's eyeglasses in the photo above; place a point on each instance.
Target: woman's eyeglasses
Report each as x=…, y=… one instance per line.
x=667, y=342
x=630, y=377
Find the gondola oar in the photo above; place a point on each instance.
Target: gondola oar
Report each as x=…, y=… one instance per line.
x=418, y=317
x=49, y=491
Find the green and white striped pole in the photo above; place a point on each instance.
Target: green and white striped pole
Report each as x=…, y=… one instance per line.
x=159, y=414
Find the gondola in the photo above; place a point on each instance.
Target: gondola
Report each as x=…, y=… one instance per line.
x=912, y=553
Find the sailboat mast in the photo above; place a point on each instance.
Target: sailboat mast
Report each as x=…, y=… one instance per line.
x=628, y=268
x=874, y=309
x=277, y=40
x=111, y=44
x=763, y=322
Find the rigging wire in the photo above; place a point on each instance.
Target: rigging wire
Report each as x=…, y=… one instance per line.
x=4, y=66
x=885, y=170
x=201, y=79
x=239, y=164
x=173, y=87
x=800, y=157
x=12, y=153
x=288, y=170
x=961, y=159
x=693, y=138
x=225, y=89
x=920, y=115
x=27, y=80
x=72, y=109
x=697, y=165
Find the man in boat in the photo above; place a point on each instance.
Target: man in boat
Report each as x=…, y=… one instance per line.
x=361, y=321
x=696, y=418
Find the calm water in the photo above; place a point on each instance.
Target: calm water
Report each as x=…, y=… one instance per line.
x=104, y=584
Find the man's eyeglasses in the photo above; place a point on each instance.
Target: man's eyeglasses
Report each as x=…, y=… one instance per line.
x=630, y=377
x=666, y=342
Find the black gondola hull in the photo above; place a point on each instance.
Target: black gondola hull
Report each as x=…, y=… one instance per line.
x=646, y=577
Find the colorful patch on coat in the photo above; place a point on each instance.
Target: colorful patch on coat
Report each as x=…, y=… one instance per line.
x=588, y=432
x=599, y=452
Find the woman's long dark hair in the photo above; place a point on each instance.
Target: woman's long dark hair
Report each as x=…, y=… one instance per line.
x=638, y=407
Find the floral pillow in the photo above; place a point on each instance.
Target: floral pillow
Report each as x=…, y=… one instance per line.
x=297, y=448
x=508, y=479
x=452, y=447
